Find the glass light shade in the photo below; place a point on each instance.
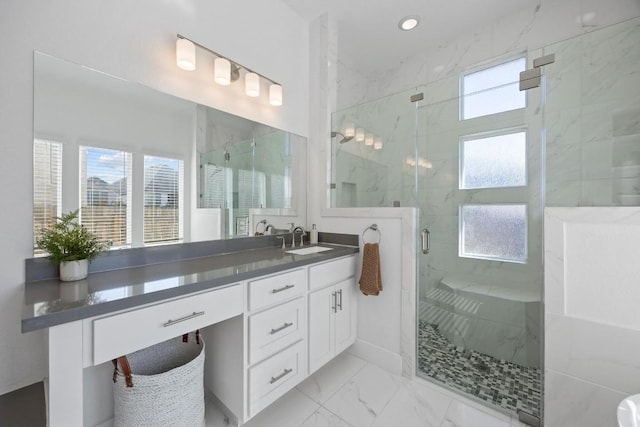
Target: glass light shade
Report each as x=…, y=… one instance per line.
x=350, y=131
x=186, y=54
x=368, y=139
x=359, y=134
x=222, y=71
x=252, y=84
x=377, y=144
x=275, y=94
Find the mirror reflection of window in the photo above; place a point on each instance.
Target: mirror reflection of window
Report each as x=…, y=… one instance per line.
x=105, y=194
x=47, y=185
x=163, y=200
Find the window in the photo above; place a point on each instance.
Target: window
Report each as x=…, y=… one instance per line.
x=105, y=194
x=47, y=185
x=492, y=90
x=496, y=232
x=163, y=199
x=494, y=161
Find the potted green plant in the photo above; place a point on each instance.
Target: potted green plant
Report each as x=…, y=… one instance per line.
x=70, y=245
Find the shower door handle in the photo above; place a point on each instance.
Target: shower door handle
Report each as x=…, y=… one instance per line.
x=426, y=241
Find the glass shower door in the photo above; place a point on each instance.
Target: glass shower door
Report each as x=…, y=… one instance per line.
x=480, y=264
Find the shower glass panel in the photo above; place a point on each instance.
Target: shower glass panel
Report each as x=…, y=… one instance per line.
x=479, y=287
x=372, y=150
x=592, y=110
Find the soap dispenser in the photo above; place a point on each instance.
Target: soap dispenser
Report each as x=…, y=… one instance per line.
x=313, y=235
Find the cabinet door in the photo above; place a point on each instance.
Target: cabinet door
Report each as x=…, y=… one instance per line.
x=321, y=326
x=345, y=316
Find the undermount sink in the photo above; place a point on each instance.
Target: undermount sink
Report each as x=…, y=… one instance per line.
x=309, y=250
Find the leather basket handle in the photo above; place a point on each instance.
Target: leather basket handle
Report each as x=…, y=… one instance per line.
x=126, y=370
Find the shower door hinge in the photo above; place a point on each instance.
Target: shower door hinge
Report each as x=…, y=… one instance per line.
x=530, y=79
x=333, y=186
x=417, y=97
x=544, y=60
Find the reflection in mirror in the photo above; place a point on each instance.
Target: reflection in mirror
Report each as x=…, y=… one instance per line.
x=148, y=168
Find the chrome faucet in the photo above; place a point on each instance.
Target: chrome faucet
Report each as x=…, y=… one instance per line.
x=293, y=236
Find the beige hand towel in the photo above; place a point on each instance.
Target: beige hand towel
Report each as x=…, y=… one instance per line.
x=370, y=278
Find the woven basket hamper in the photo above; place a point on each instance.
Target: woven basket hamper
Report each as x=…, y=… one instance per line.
x=165, y=385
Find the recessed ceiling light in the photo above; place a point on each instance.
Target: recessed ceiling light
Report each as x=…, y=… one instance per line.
x=409, y=22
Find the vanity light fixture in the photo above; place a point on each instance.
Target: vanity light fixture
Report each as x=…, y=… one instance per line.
x=225, y=70
x=409, y=22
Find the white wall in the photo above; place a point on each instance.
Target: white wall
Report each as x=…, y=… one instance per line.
x=135, y=41
x=592, y=326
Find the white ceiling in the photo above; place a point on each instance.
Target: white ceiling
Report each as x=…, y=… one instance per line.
x=368, y=29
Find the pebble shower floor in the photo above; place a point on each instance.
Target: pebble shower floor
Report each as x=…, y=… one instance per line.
x=495, y=381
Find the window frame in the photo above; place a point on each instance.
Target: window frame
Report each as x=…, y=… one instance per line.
x=489, y=134
x=461, y=234
x=483, y=67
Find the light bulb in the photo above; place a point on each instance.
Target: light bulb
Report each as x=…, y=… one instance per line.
x=222, y=71
x=186, y=54
x=275, y=94
x=252, y=84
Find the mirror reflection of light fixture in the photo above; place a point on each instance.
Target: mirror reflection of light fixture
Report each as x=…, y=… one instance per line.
x=377, y=144
x=359, y=134
x=226, y=71
x=186, y=54
x=350, y=130
x=369, y=141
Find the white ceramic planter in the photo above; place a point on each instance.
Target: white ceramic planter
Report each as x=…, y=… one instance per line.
x=73, y=270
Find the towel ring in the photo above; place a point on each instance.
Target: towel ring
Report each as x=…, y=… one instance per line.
x=373, y=227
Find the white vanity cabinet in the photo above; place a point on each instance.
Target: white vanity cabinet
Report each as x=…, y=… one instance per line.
x=289, y=316
x=332, y=310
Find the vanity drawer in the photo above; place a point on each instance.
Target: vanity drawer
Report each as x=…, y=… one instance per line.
x=274, y=289
x=275, y=376
x=331, y=272
x=124, y=333
x=275, y=329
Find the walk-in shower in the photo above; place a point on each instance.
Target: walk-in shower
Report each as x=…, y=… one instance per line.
x=480, y=168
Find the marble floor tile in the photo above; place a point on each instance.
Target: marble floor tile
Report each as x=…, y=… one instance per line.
x=291, y=410
x=414, y=405
x=330, y=378
x=365, y=396
x=460, y=414
x=324, y=418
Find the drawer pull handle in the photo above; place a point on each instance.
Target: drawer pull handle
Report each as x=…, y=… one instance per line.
x=285, y=326
x=284, y=288
x=182, y=319
x=281, y=376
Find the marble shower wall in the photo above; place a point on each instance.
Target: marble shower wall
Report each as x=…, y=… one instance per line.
x=592, y=116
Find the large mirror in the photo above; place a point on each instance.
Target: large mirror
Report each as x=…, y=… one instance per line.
x=144, y=167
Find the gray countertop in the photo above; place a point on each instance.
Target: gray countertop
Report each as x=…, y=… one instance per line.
x=51, y=302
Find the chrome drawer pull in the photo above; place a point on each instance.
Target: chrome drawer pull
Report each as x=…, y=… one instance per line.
x=182, y=319
x=281, y=376
x=285, y=326
x=284, y=288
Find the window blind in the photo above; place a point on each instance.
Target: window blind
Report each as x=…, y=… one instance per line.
x=163, y=199
x=105, y=194
x=47, y=185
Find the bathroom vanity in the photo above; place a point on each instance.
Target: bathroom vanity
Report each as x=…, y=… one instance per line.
x=269, y=318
